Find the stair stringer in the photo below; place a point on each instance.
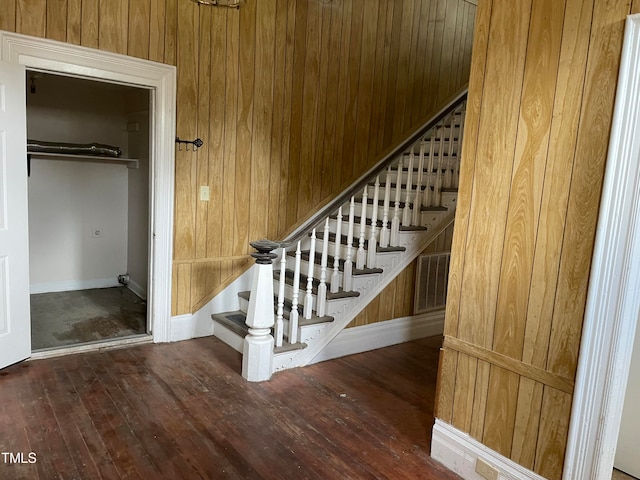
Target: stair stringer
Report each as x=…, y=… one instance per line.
x=345, y=310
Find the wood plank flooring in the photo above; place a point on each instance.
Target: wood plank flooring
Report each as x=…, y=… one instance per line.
x=182, y=411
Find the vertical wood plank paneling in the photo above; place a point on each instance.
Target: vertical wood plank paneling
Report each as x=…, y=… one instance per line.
x=543, y=50
x=392, y=79
x=74, y=21
x=297, y=105
x=384, y=93
x=90, y=21
x=262, y=118
x=591, y=151
x=217, y=122
x=351, y=100
x=246, y=82
x=345, y=17
x=403, y=67
x=447, y=52
x=500, y=416
x=438, y=23
x=527, y=422
x=231, y=115
x=310, y=102
x=481, y=388
x=277, y=120
x=31, y=17
x=171, y=32
x=8, y=17
x=203, y=130
x=422, y=61
x=113, y=25
x=329, y=74
x=187, y=119
x=410, y=101
x=554, y=428
x=139, y=27
x=377, y=98
x=57, y=20
x=283, y=209
x=365, y=89
x=445, y=385
x=462, y=398
x=156, y=30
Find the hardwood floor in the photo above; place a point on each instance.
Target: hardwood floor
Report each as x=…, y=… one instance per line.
x=182, y=411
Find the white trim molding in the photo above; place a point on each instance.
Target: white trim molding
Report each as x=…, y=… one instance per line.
x=69, y=285
x=613, y=302
x=459, y=452
x=382, y=334
x=73, y=60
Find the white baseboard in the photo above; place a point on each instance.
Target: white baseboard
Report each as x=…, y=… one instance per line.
x=459, y=452
x=185, y=327
x=137, y=289
x=382, y=334
x=70, y=285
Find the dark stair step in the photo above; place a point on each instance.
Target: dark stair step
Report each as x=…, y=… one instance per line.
x=288, y=275
x=235, y=321
x=356, y=240
x=286, y=310
x=318, y=259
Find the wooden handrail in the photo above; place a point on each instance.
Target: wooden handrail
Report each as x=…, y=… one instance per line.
x=385, y=160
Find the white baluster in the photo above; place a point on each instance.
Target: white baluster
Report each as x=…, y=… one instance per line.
x=293, y=316
x=308, y=298
x=426, y=201
x=456, y=170
x=437, y=186
x=384, y=231
x=406, y=213
x=417, y=202
x=395, y=221
x=371, y=252
x=361, y=255
x=335, y=276
x=321, y=300
x=279, y=328
x=347, y=278
x=448, y=176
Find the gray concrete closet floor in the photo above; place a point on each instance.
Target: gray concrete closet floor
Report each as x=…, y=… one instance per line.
x=69, y=318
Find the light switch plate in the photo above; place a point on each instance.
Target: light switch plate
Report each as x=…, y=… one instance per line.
x=204, y=193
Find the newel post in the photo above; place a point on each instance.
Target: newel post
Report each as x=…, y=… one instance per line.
x=257, y=355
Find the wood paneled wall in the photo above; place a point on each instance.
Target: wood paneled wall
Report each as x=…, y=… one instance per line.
x=541, y=98
x=292, y=98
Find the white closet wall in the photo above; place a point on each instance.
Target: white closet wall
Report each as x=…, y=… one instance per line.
x=69, y=200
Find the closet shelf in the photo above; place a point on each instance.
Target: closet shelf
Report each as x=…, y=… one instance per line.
x=129, y=162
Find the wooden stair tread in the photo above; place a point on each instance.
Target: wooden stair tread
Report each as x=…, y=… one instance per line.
x=302, y=322
x=235, y=321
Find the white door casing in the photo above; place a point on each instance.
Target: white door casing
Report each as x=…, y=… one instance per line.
x=15, y=325
x=73, y=60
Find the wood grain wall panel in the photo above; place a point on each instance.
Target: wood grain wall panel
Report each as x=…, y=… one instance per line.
x=90, y=23
x=113, y=25
x=467, y=168
x=246, y=83
x=156, y=30
x=74, y=21
x=564, y=130
x=31, y=17
x=635, y=7
x=8, y=17
x=586, y=183
x=57, y=20
x=216, y=144
x=445, y=385
x=293, y=99
x=546, y=165
x=203, y=131
x=262, y=118
x=139, y=28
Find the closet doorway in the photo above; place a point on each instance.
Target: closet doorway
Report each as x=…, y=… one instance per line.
x=88, y=200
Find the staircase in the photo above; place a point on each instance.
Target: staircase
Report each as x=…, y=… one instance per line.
x=311, y=285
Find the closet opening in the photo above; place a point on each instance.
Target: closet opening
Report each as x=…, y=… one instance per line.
x=89, y=218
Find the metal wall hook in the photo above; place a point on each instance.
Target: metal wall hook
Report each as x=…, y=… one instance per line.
x=197, y=143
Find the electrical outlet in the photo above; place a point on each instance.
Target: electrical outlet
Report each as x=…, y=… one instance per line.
x=96, y=232
x=204, y=193
x=486, y=470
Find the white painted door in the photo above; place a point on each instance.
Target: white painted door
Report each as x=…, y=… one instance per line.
x=15, y=319
x=627, y=457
